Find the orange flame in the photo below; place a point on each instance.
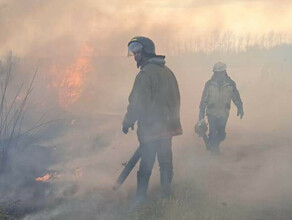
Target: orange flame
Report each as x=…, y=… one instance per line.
x=45, y=178
x=76, y=174
x=71, y=85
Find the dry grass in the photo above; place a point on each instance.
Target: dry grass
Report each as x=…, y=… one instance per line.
x=191, y=204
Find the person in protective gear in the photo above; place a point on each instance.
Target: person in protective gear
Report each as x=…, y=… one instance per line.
x=154, y=103
x=215, y=103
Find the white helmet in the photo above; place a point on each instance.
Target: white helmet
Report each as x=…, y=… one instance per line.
x=219, y=67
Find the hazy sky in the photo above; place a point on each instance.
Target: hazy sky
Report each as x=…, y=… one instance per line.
x=36, y=24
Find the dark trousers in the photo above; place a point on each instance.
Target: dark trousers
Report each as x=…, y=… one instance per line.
x=217, y=132
x=163, y=149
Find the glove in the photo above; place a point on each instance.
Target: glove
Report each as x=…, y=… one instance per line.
x=201, y=128
x=240, y=113
x=126, y=128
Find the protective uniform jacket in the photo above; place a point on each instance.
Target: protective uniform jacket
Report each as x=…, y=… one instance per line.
x=217, y=96
x=154, y=102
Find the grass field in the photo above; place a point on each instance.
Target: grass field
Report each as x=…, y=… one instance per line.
x=246, y=182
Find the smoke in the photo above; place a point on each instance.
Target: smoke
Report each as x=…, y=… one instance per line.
x=49, y=28
x=88, y=92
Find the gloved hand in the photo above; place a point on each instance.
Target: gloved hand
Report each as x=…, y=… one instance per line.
x=126, y=128
x=240, y=113
x=201, y=128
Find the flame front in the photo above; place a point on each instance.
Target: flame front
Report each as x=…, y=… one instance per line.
x=75, y=174
x=71, y=84
x=44, y=178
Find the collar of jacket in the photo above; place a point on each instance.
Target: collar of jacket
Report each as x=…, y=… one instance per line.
x=226, y=81
x=158, y=60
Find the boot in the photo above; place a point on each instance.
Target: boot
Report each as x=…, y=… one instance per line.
x=141, y=193
x=165, y=180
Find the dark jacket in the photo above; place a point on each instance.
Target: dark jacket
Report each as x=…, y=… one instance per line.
x=154, y=102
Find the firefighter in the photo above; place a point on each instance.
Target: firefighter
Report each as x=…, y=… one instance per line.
x=154, y=103
x=215, y=103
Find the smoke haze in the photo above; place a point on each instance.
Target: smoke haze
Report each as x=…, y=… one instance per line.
x=84, y=79
x=42, y=27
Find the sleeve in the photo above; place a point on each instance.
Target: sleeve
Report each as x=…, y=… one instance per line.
x=204, y=101
x=236, y=97
x=138, y=98
x=174, y=104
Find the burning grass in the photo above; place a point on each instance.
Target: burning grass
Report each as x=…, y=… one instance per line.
x=71, y=85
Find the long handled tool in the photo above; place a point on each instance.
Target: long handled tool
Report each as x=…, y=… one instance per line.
x=127, y=170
